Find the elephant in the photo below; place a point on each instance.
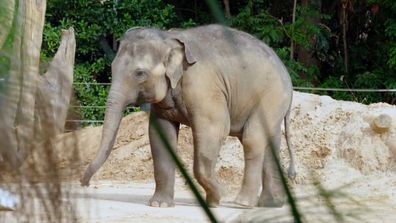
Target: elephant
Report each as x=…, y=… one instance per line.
x=219, y=81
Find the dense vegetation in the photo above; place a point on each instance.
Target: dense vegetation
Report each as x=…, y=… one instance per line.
x=337, y=44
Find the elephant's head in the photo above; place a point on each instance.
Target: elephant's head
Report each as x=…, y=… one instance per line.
x=147, y=64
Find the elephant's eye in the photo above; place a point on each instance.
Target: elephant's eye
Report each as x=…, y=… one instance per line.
x=141, y=74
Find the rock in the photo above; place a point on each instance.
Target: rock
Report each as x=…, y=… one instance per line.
x=8, y=201
x=381, y=123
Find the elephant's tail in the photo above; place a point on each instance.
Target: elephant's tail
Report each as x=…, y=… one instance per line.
x=292, y=169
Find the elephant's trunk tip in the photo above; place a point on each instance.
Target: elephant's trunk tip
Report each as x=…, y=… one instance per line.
x=291, y=172
x=86, y=178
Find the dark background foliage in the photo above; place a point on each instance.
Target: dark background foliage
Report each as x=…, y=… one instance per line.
x=336, y=44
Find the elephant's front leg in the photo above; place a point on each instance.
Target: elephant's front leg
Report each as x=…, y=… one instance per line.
x=164, y=167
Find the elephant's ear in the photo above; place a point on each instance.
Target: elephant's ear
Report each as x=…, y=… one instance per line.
x=180, y=52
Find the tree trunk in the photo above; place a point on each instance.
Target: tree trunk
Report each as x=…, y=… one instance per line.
x=31, y=33
x=344, y=24
x=293, y=21
x=54, y=89
x=227, y=11
x=305, y=56
x=20, y=113
x=17, y=121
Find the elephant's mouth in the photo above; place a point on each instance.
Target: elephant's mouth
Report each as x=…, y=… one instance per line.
x=144, y=98
x=138, y=102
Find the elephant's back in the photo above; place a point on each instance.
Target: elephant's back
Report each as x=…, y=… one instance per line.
x=229, y=47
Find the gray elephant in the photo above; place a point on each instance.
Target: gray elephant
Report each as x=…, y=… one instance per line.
x=217, y=80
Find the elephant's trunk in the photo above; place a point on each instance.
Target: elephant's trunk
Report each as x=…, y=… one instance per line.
x=116, y=104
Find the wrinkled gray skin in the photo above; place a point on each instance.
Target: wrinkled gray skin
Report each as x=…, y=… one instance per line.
x=217, y=80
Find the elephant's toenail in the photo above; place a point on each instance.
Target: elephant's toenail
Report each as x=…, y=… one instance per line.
x=155, y=204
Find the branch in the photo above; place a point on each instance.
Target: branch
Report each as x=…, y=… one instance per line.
x=227, y=11
x=291, y=39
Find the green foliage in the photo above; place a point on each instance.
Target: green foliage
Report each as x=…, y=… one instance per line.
x=98, y=26
x=390, y=32
x=188, y=24
x=294, y=68
x=91, y=94
x=371, y=39
x=7, y=46
x=303, y=31
x=336, y=82
x=94, y=21
x=51, y=38
x=261, y=24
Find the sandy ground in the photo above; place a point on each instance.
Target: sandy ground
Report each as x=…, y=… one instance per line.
x=334, y=142
x=117, y=201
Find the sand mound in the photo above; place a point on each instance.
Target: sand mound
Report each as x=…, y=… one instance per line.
x=324, y=129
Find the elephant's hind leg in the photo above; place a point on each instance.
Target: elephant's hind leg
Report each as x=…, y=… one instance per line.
x=253, y=142
x=273, y=194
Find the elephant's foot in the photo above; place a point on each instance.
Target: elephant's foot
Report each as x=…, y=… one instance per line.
x=161, y=200
x=271, y=200
x=213, y=201
x=246, y=201
x=213, y=197
x=85, y=180
x=213, y=192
